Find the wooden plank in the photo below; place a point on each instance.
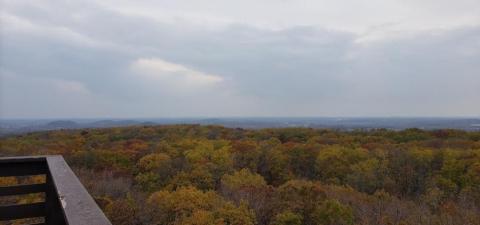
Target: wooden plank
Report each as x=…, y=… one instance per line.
x=22, y=189
x=37, y=158
x=14, y=212
x=79, y=208
x=9, y=168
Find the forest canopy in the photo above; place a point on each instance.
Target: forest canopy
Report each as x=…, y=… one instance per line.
x=202, y=175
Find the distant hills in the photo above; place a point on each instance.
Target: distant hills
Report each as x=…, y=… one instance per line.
x=394, y=123
x=62, y=124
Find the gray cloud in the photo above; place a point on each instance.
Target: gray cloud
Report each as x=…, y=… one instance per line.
x=75, y=59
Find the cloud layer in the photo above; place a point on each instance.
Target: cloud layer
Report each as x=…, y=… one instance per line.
x=155, y=59
x=174, y=76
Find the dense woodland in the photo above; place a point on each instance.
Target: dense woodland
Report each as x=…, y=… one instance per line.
x=211, y=175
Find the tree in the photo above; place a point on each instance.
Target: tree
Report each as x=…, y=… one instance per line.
x=155, y=171
x=246, y=154
x=217, y=160
x=170, y=207
x=301, y=197
x=201, y=217
x=333, y=164
x=332, y=212
x=368, y=175
x=188, y=205
x=241, y=215
x=157, y=162
x=200, y=178
x=243, y=179
x=122, y=212
x=287, y=218
x=250, y=188
x=302, y=159
x=274, y=163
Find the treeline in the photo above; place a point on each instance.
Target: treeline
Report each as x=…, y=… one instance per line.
x=203, y=175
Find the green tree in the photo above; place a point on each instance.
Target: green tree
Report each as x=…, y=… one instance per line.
x=287, y=218
x=301, y=197
x=274, y=163
x=333, y=164
x=242, y=179
x=216, y=159
x=155, y=171
x=332, y=212
x=368, y=175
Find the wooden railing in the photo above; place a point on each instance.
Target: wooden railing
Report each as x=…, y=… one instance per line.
x=66, y=202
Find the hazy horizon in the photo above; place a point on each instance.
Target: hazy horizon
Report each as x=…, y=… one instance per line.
x=217, y=59
x=241, y=117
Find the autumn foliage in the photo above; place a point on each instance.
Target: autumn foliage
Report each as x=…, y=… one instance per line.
x=202, y=175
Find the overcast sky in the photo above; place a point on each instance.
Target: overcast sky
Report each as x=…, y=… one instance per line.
x=221, y=58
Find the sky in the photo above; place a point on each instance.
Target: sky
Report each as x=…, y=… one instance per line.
x=249, y=58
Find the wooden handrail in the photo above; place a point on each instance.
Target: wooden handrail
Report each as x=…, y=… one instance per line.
x=67, y=202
